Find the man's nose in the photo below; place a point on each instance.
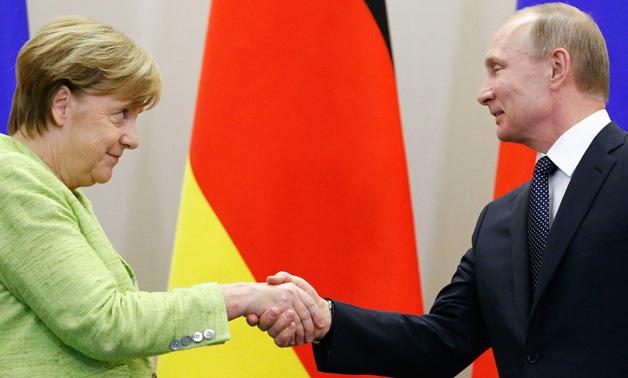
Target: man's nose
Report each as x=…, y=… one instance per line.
x=485, y=94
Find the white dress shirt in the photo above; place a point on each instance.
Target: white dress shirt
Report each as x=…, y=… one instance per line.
x=566, y=153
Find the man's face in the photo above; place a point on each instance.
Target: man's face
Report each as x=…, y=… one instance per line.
x=516, y=89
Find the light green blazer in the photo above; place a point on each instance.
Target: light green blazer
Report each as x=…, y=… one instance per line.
x=69, y=304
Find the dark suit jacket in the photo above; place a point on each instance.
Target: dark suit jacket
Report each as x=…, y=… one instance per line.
x=575, y=326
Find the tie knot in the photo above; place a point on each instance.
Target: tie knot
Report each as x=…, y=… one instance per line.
x=544, y=167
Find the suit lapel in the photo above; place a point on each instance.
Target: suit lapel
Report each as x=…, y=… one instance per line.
x=520, y=261
x=585, y=183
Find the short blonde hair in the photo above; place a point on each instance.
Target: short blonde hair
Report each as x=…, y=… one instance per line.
x=561, y=25
x=89, y=58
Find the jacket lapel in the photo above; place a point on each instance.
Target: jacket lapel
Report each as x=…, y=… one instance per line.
x=520, y=261
x=585, y=183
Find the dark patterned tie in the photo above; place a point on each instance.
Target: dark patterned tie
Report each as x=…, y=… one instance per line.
x=538, y=217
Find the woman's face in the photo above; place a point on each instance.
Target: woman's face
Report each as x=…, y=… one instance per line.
x=96, y=131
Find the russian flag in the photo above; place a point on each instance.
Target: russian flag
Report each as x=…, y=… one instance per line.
x=14, y=21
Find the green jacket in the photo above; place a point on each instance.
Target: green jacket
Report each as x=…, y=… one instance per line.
x=69, y=304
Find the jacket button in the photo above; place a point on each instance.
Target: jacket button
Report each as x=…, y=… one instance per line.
x=533, y=357
x=197, y=337
x=186, y=340
x=209, y=334
x=175, y=344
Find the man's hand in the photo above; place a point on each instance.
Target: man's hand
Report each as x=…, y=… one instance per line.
x=300, y=313
x=278, y=325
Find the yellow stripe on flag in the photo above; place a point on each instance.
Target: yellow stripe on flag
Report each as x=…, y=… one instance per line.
x=204, y=252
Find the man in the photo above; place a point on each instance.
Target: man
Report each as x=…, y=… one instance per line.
x=551, y=302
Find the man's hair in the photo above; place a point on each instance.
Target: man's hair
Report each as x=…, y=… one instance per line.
x=557, y=25
x=89, y=58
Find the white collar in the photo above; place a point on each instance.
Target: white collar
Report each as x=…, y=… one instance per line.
x=567, y=151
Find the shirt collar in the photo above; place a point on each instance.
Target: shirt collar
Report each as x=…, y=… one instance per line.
x=567, y=151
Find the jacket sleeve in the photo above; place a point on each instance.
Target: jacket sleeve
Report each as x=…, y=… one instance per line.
x=48, y=264
x=439, y=344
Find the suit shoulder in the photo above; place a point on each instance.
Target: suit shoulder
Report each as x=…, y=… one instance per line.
x=510, y=196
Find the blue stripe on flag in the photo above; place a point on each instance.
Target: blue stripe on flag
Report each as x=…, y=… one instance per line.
x=611, y=16
x=14, y=34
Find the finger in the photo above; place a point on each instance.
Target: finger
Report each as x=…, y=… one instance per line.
x=300, y=333
x=267, y=319
x=282, y=322
x=316, y=313
x=286, y=337
x=252, y=320
x=285, y=320
x=303, y=307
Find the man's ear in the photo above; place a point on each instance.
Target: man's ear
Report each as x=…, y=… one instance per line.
x=561, y=67
x=60, y=105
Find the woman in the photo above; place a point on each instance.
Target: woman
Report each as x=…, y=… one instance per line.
x=70, y=305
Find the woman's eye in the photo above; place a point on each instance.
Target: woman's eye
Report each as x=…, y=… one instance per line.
x=119, y=116
x=122, y=113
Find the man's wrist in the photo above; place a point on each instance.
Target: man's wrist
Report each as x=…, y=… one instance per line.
x=325, y=340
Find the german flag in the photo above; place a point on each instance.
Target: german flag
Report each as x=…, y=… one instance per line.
x=296, y=163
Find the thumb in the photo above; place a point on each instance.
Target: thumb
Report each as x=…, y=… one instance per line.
x=278, y=278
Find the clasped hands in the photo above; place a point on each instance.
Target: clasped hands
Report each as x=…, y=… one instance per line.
x=286, y=306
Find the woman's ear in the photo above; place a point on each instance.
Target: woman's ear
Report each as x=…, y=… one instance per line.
x=60, y=105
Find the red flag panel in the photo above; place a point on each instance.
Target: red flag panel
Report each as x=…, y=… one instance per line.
x=297, y=146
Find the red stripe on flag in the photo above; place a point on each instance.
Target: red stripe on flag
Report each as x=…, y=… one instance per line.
x=515, y=165
x=297, y=146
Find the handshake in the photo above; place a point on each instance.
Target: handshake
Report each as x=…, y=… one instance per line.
x=287, y=307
